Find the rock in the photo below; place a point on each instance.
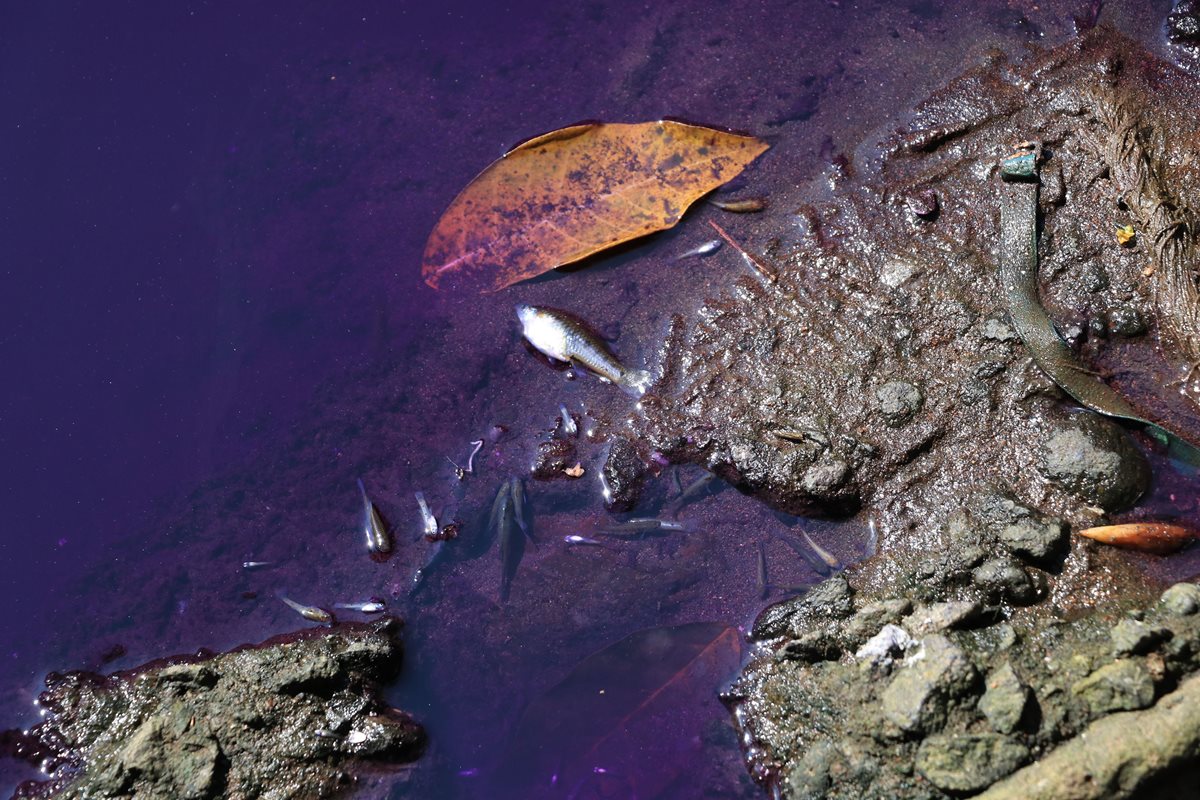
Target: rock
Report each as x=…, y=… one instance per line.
x=1002, y=578
x=1026, y=533
x=969, y=762
x=923, y=204
x=998, y=331
x=248, y=718
x=898, y=402
x=881, y=649
x=823, y=477
x=1133, y=637
x=1149, y=753
x=553, y=459
x=1183, y=23
x=943, y=616
x=931, y=680
x=867, y=621
x=1123, y=685
x=1182, y=599
x=1005, y=700
x=624, y=474
x=1095, y=461
x=829, y=599
x=810, y=778
x=897, y=272
x=1125, y=320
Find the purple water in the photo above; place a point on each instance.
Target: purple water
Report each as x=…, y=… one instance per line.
x=211, y=221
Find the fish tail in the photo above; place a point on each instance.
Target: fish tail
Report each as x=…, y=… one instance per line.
x=635, y=381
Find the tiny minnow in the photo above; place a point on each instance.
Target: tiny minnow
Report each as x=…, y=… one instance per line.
x=313, y=613
x=517, y=489
x=256, y=564
x=747, y=206
x=816, y=562
x=379, y=538
x=697, y=487
x=575, y=538
x=512, y=541
x=706, y=249
x=829, y=558
x=644, y=525
x=559, y=336
x=764, y=586
x=429, y=523
x=372, y=606
x=568, y=422
x=422, y=573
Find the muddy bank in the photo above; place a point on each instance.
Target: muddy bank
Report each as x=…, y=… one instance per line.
x=297, y=716
x=875, y=372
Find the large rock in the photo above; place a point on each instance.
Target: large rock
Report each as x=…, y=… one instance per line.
x=969, y=762
x=1094, y=460
x=921, y=693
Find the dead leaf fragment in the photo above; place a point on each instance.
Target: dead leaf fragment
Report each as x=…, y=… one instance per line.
x=563, y=196
x=1146, y=537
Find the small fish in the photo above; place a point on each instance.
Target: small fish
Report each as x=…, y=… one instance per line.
x=764, y=585
x=814, y=561
x=372, y=606
x=499, y=506
x=568, y=422
x=312, y=613
x=747, y=206
x=706, y=249
x=829, y=558
x=697, y=488
x=436, y=554
x=557, y=335
x=256, y=564
x=379, y=538
x=429, y=523
x=575, y=538
x=512, y=542
x=517, y=489
x=641, y=526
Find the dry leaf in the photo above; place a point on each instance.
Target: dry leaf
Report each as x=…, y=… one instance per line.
x=1147, y=537
x=563, y=196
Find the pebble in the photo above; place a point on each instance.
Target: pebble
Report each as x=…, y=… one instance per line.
x=899, y=401
x=1131, y=637
x=1005, y=701
x=920, y=695
x=1124, y=685
x=1182, y=599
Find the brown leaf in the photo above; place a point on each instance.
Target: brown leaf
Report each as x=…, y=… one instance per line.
x=563, y=196
x=1147, y=537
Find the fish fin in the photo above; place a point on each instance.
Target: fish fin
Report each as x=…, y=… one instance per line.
x=635, y=381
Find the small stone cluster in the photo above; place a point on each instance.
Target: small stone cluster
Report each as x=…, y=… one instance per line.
x=876, y=697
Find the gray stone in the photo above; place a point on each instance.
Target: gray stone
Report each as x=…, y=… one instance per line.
x=867, y=621
x=1125, y=320
x=969, y=762
x=1095, y=461
x=1182, y=599
x=1133, y=637
x=884, y=647
x=943, y=616
x=1005, y=700
x=824, y=476
x=810, y=779
x=1003, y=578
x=1124, y=685
x=899, y=402
x=1025, y=532
x=998, y=331
x=931, y=680
x=830, y=599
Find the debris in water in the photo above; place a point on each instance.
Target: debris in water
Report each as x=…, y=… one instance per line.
x=575, y=471
x=748, y=206
x=1125, y=234
x=1160, y=538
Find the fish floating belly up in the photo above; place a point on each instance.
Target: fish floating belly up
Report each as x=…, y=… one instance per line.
x=559, y=336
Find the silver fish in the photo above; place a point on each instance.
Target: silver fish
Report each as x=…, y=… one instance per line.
x=437, y=553
x=568, y=422
x=829, y=558
x=706, y=249
x=517, y=489
x=815, y=561
x=372, y=606
x=429, y=523
x=312, y=613
x=642, y=525
x=559, y=336
x=512, y=542
x=575, y=538
x=379, y=538
x=764, y=585
x=256, y=564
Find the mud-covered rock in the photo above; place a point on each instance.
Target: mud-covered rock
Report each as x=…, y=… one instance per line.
x=1005, y=700
x=921, y=692
x=1134, y=637
x=899, y=401
x=1182, y=599
x=1005, y=579
x=968, y=763
x=292, y=714
x=1124, y=685
x=830, y=599
x=1026, y=533
x=1094, y=460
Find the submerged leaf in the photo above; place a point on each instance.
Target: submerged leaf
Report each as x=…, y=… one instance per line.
x=563, y=196
x=627, y=718
x=1147, y=537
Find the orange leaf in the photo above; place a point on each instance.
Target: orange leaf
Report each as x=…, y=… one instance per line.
x=1148, y=537
x=565, y=195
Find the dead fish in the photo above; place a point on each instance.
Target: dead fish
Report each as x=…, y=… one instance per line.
x=1160, y=538
x=706, y=249
x=312, y=613
x=748, y=206
x=372, y=606
x=379, y=538
x=556, y=335
x=829, y=558
x=429, y=523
